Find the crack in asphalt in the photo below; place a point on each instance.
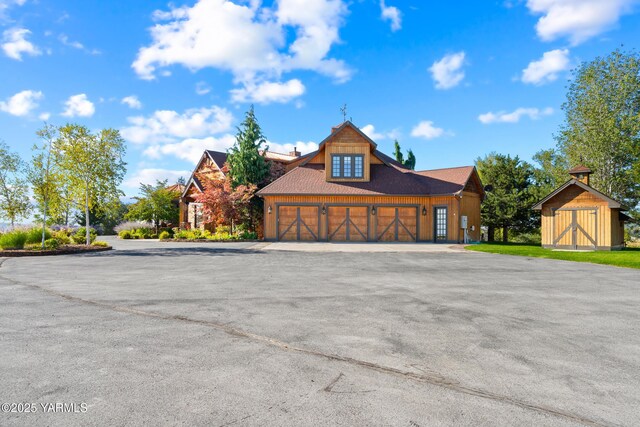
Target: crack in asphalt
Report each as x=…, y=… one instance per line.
x=435, y=380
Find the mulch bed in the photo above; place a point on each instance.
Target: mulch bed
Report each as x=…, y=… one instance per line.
x=63, y=250
x=209, y=241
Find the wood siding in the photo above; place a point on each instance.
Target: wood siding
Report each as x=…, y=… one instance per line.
x=425, y=223
x=347, y=141
x=592, y=214
x=470, y=207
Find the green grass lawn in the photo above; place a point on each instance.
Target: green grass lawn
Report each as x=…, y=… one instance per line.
x=629, y=257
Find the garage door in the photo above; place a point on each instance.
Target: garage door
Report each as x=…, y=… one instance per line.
x=396, y=224
x=575, y=228
x=348, y=223
x=298, y=223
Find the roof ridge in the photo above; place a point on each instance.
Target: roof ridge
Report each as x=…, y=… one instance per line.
x=440, y=169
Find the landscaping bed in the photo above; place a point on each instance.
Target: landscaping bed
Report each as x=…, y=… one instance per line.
x=62, y=250
x=205, y=240
x=628, y=257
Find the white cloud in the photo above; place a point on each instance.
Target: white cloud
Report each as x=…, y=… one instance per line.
x=150, y=176
x=167, y=126
x=202, y=88
x=427, y=130
x=391, y=14
x=301, y=146
x=44, y=116
x=371, y=132
x=267, y=92
x=514, y=116
x=190, y=149
x=546, y=69
x=15, y=43
x=250, y=41
x=79, y=106
x=578, y=20
x=64, y=39
x=447, y=72
x=22, y=103
x=5, y=5
x=132, y=101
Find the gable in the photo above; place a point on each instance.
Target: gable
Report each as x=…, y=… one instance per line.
x=574, y=196
x=576, y=193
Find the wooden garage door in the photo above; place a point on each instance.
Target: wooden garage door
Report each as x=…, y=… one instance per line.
x=575, y=228
x=298, y=223
x=396, y=224
x=348, y=223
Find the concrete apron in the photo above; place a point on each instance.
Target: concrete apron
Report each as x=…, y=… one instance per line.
x=360, y=247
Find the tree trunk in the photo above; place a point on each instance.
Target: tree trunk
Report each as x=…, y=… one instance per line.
x=44, y=221
x=505, y=234
x=491, y=233
x=86, y=215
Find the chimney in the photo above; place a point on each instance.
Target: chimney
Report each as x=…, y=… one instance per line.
x=295, y=152
x=581, y=173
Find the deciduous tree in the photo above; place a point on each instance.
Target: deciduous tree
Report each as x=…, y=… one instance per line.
x=14, y=189
x=93, y=165
x=224, y=205
x=602, y=124
x=155, y=204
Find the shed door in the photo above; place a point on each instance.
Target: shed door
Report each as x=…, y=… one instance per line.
x=298, y=223
x=396, y=224
x=348, y=223
x=575, y=228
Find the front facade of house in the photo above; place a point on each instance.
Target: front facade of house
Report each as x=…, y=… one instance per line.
x=211, y=165
x=578, y=217
x=349, y=191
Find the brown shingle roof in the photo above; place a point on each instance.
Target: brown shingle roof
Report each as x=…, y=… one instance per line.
x=311, y=179
x=580, y=169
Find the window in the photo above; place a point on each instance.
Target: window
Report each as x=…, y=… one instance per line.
x=347, y=166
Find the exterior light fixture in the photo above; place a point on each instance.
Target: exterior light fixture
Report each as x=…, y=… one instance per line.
x=269, y=210
x=373, y=210
x=424, y=211
x=324, y=210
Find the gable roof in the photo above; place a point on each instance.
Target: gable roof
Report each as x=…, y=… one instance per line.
x=612, y=203
x=310, y=179
x=346, y=124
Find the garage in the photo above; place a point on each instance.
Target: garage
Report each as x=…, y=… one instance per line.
x=298, y=223
x=575, y=228
x=396, y=224
x=348, y=223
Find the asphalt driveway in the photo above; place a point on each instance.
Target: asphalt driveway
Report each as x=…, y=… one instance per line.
x=236, y=334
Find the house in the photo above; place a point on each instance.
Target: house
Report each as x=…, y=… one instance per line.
x=347, y=190
x=211, y=165
x=577, y=216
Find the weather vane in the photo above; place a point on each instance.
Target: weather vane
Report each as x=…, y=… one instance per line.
x=344, y=112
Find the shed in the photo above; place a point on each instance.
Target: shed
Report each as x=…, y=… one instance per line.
x=579, y=217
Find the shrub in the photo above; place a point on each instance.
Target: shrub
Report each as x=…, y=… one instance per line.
x=33, y=246
x=143, y=233
x=171, y=231
x=248, y=235
x=223, y=229
x=125, y=234
x=132, y=226
x=15, y=239
x=164, y=235
x=34, y=235
x=100, y=243
x=80, y=238
x=61, y=236
x=51, y=244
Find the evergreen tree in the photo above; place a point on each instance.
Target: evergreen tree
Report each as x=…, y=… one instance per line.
x=247, y=164
x=410, y=163
x=397, y=153
x=508, y=201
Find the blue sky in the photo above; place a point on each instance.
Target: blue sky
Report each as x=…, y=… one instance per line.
x=450, y=80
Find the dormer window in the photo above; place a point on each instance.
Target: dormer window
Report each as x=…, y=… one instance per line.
x=347, y=166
